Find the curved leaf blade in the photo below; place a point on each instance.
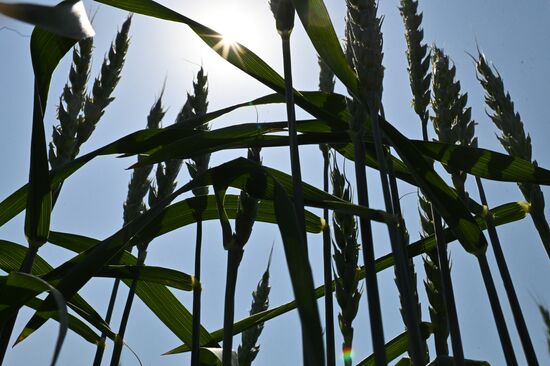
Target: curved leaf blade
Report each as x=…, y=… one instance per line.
x=31, y=284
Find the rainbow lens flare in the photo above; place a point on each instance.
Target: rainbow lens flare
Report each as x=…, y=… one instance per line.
x=347, y=353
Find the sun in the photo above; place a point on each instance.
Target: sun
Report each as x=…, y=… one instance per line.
x=236, y=27
x=228, y=42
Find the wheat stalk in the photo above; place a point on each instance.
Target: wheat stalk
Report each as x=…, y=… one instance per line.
x=354, y=51
x=452, y=122
x=326, y=84
x=514, y=140
x=166, y=174
x=464, y=136
x=437, y=276
x=284, y=12
x=364, y=52
x=418, y=58
x=196, y=105
x=133, y=206
x=234, y=244
x=346, y=255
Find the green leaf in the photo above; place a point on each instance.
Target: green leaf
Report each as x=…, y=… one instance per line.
x=31, y=284
x=80, y=269
x=484, y=163
x=480, y=162
x=244, y=174
x=11, y=257
x=205, y=140
x=75, y=324
x=316, y=21
x=146, y=140
x=300, y=276
x=47, y=50
x=503, y=214
x=137, y=142
x=157, y=297
x=397, y=346
x=448, y=203
x=405, y=361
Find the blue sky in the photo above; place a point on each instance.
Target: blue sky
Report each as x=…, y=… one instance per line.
x=512, y=36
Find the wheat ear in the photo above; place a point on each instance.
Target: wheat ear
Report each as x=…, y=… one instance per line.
x=248, y=350
x=464, y=136
x=64, y=146
x=346, y=255
x=453, y=125
x=418, y=58
x=452, y=118
x=105, y=84
x=196, y=106
x=432, y=284
x=514, y=140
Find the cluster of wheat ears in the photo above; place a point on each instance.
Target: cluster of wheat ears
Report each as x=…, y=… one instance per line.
x=352, y=126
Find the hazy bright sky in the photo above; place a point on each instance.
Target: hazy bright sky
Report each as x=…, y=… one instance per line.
x=515, y=37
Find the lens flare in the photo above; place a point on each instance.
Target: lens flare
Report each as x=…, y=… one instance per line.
x=227, y=45
x=347, y=354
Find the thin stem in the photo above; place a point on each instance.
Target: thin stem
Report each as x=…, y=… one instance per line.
x=293, y=138
x=411, y=274
x=446, y=281
x=504, y=336
x=234, y=257
x=402, y=269
x=539, y=219
x=373, y=295
x=508, y=284
x=119, y=341
x=101, y=346
x=327, y=268
x=195, y=345
x=298, y=195
x=447, y=284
